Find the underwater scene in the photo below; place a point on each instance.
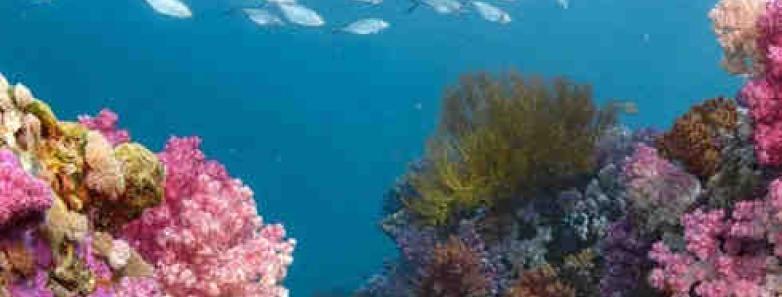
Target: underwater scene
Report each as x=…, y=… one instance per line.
x=390, y=148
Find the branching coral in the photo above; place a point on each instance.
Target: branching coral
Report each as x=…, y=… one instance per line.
x=455, y=271
x=658, y=191
x=500, y=138
x=206, y=238
x=540, y=282
x=697, y=138
x=734, y=22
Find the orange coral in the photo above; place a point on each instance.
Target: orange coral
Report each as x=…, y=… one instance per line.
x=20, y=259
x=540, y=282
x=455, y=271
x=694, y=139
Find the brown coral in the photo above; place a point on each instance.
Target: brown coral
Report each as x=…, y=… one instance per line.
x=540, y=282
x=695, y=137
x=20, y=259
x=455, y=271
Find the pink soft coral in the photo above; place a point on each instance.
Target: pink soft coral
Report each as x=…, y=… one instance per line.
x=206, y=238
x=725, y=256
x=21, y=194
x=762, y=94
x=106, y=123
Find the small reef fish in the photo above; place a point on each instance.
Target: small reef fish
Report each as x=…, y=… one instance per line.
x=278, y=2
x=439, y=6
x=371, y=2
x=491, y=13
x=366, y=26
x=173, y=8
x=263, y=17
x=625, y=106
x=301, y=15
x=565, y=4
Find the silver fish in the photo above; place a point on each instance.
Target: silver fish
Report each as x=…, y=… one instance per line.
x=301, y=15
x=565, y=4
x=263, y=17
x=173, y=8
x=371, y=2
x=442, y=6
x=366, y=26
x=491, y=13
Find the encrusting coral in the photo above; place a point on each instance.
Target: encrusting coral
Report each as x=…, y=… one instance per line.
x=86, y=212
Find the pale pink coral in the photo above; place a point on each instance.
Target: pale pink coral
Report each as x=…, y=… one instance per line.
x=734, y=22
x=658, y=191
x=105, y=171
x=106, y=123
x=138, y=287
x=206, y=238
x=21, y=194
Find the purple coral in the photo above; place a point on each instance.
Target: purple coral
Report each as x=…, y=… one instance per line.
x=624, y=253
x=106, y=123
x=21, y=194
x=206, y=238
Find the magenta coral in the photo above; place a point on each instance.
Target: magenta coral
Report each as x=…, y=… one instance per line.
x=21, y=194
x=206, y=238
x=106, y=123
x=762, y=94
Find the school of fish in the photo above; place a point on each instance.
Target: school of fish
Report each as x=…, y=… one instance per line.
x=275, y=13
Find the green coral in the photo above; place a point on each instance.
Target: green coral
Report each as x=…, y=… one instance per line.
x=44, y=113
x=144, y=175
x=500, y=139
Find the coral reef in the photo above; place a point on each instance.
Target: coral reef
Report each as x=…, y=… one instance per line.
x=695, y=211
x=86, y=212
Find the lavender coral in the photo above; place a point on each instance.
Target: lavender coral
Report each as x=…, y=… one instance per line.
x=206, y=238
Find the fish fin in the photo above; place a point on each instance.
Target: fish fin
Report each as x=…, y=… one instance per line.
x=413, y=7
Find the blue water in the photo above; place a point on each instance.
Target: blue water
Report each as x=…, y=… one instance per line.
x=320, y=124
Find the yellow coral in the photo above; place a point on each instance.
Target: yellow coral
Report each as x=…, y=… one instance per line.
x=500, y=139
